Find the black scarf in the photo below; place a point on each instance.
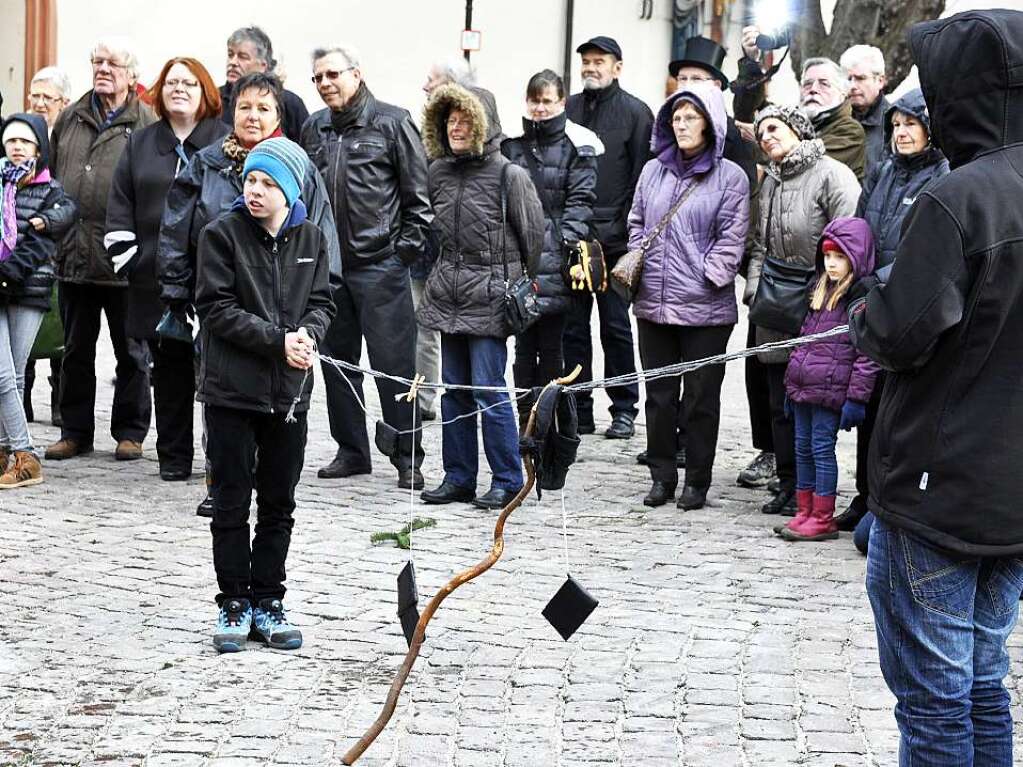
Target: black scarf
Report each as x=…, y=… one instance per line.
x=343, y=119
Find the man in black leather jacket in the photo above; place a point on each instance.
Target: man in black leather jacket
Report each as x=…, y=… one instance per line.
x=623, y=123
x=372, y=160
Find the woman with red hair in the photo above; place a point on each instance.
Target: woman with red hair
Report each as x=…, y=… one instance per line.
x=188, y=105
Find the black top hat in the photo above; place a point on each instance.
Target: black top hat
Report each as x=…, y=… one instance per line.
x=704, y=53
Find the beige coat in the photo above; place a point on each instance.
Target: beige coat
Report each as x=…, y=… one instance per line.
x=798, y=199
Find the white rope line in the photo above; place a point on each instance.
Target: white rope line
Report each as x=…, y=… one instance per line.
x=564, y=530
x=653, y=374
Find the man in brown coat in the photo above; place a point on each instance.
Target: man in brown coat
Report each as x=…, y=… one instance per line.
x=823, y=89
x=87, y=142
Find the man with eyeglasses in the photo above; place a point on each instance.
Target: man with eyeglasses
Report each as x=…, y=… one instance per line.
x=249, y=50
x=373, y=163
x=865, y=66
x=86, y=144
x=823, y=91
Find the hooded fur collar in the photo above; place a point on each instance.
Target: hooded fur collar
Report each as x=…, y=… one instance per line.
x=435, y=116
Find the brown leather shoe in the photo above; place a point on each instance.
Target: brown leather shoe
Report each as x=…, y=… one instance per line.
x=24, y=471
x=66, y=448
x=128, y=450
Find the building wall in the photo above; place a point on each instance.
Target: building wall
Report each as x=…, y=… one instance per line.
x=397, y=40
x=12, y=54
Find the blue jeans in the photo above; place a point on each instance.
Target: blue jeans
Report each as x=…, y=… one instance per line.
x=18, y=328
x=942, y=620
x=816, y=430
x=478, y=360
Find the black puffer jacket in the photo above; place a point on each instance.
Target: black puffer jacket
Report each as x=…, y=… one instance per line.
x=893, y=186
x=946, y=452
x=623, y=123
x=26, y=278
x=565, y=156
x=251, y=289
x=465, y=290
x=204, y=190
x=375, y=172
x=138, y=196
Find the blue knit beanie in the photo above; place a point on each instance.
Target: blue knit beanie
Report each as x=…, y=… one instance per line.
x=282, y=160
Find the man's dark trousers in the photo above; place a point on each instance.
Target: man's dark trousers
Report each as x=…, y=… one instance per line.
x=375, y=302
x=80, y=310
x=619, y=351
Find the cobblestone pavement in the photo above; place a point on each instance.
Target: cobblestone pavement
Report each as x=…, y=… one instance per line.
x=714, y=643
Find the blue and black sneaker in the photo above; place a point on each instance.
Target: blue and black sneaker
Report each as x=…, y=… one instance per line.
x=270, y=626
x=233, y=625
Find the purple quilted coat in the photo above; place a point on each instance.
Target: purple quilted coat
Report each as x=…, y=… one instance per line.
x=689, y=271
x=829, y=372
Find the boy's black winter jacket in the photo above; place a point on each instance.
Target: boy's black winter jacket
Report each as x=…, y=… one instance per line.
x=252, y=288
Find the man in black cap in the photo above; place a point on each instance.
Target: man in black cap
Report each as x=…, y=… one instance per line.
x=623, y=123
x=700, y=61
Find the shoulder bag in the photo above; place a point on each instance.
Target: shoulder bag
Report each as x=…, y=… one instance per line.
x=626, y=273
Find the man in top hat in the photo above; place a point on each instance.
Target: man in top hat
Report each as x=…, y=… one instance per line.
x=623, y=123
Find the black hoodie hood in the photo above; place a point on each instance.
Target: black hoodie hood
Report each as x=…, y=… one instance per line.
x=971, y=74
x=38, y=126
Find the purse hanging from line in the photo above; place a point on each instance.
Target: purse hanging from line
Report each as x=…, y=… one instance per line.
x=626, y=273
x=521, y=307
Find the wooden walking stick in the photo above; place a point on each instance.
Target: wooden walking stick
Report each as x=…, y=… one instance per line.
x=462, y=578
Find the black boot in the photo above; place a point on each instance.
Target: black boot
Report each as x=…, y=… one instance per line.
x=784, y=503
x=852, y=515
x=660, y=493
x=692, y=497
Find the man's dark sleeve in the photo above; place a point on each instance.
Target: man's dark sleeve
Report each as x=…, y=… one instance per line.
x=525, y=216
x=415, y=202
x=749, y=99
x=639, y=148
x=320, y=308
x=317, y=202
x=295, y=115
x=899, y=323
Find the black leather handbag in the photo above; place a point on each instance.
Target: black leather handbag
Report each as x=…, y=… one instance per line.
x=781, y=301
x=521, y=307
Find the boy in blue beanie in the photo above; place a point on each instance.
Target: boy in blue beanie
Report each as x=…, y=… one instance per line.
x=259, y=343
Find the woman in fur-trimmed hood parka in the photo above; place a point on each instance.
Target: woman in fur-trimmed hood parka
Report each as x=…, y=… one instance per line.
x=479, y=250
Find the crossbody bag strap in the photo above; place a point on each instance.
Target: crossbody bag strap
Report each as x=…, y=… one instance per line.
x=654, y=233
x=504, y=220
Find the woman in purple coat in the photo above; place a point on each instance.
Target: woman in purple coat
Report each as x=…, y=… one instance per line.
x=827, y=383
x=685, y=305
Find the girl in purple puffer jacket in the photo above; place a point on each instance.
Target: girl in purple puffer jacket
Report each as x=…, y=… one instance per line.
x=827, y=383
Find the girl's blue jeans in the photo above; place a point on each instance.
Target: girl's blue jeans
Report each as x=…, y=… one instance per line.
x=816, y=430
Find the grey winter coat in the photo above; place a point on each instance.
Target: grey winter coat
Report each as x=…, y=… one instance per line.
x=465, y=290
x=798, y=199
x=84, y=152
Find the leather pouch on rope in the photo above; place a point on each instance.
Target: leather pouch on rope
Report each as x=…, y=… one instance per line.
x=386, y=439
x=555, y=441
x=408, y=601
x=569, y=608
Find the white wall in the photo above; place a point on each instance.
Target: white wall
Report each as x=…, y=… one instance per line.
x=398, y=40
x=12, y=54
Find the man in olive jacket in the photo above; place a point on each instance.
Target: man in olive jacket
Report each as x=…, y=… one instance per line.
x=86, y=144
x=372, y=161
x=823, y=89
x=944, y=569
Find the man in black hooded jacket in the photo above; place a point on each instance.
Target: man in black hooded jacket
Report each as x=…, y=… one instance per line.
x=944, y=570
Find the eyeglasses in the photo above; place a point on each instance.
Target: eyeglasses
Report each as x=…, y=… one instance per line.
x=97, y=63
x=175, y=84
x=44, y=98
x=687, y=119
x=824, y=83
x=692, y=79
x=456, y=122
x=330, y=74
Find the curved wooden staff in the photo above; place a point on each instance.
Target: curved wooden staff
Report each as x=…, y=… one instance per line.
x=463, y=577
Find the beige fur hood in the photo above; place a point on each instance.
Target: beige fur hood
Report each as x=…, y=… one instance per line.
x=476, y=102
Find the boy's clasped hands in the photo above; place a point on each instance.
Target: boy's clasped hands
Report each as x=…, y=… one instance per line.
x=299, y=349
